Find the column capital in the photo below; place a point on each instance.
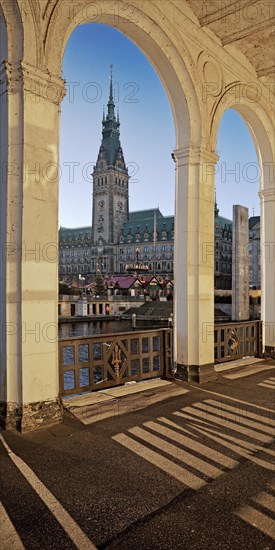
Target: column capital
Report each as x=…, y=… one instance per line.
x=10, y=77
x=194, y=155
x=267, y=195
x=20, y=76
x=43, y=84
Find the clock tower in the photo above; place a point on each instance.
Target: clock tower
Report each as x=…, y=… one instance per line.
x=110, y=186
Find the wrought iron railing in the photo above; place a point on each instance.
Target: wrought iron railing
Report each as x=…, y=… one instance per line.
x=235, y=340
x=98, y=362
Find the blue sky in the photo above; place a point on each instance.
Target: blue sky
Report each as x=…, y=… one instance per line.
x=147, y=131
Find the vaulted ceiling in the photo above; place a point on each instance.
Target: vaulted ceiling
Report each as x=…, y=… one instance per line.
x=248, y=25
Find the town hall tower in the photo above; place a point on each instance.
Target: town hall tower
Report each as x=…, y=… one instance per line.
x=110, y=184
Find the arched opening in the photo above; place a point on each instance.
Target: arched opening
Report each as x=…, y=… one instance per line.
x=147, y=138
x=260, y=128
x=237, y=182
x=176, y=80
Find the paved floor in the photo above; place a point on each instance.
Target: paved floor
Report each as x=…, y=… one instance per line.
x=177, y=466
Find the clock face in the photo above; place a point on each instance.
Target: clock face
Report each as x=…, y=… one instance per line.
x=120, y=205
x=101, y=204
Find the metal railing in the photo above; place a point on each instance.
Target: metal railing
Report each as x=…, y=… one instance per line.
x=98, y=362
x=236, y=340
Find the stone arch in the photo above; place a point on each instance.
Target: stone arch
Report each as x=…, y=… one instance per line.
x=154, y=39
x=256, y=115
x=169, y=54
x=259, y=122
x=11, y=48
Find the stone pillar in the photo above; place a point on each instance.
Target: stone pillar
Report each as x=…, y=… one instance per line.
x=194, y=264
x=240, y=264
x=82, y=309
x=268, y=268
x=29, y=386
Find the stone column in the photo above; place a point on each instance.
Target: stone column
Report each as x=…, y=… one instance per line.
x=194, y=264
x=82, y=304
x=240, y=264
x=29, y=385
x=268, y=268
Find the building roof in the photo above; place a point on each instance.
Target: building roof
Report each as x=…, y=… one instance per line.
x=220, y=220
x=124, y=282
x=142, y=221
x=75, y=233
x=110, y=129
x=254, y=220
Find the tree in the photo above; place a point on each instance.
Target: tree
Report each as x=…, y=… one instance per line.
x=64, y=288
x=99, y=284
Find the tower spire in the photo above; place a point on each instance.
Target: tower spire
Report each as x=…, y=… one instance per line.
x=110, y=126
x=111, y=104
x=111, y=82
x=216, y=206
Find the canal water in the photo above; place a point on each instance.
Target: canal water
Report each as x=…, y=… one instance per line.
x=91, y=328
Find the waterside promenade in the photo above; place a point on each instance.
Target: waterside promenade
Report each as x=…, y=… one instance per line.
x=154, y=465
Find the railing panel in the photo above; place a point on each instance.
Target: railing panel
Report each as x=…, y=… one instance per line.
x=98, y=362
x=236, y=340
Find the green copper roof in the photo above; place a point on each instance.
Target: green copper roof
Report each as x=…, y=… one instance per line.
x=144, y=215
x=219, y=220
x=142, y=222
x=75, y=233
x=110, y=128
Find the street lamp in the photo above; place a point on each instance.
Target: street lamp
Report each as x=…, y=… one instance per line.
x=81, y=279
x=99, y=264
x=137, y=253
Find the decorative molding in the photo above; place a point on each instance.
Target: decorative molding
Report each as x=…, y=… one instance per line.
x=211, y=72
x=194, y=155
x=224, y=11
x=267, y=71
x=246, y=33
x=10, y=78
x=267, y=195
x=18, y=77
x=43, y=84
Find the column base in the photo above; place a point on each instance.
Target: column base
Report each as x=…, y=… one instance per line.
x=269, y=351
x=196, y=373
x=30, y=416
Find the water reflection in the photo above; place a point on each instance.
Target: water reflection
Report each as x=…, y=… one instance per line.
x=90, y=328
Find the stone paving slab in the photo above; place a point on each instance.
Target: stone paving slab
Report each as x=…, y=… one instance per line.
x=193, y=470
x=124, y=401
x=228, y=365
x=112, y=393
